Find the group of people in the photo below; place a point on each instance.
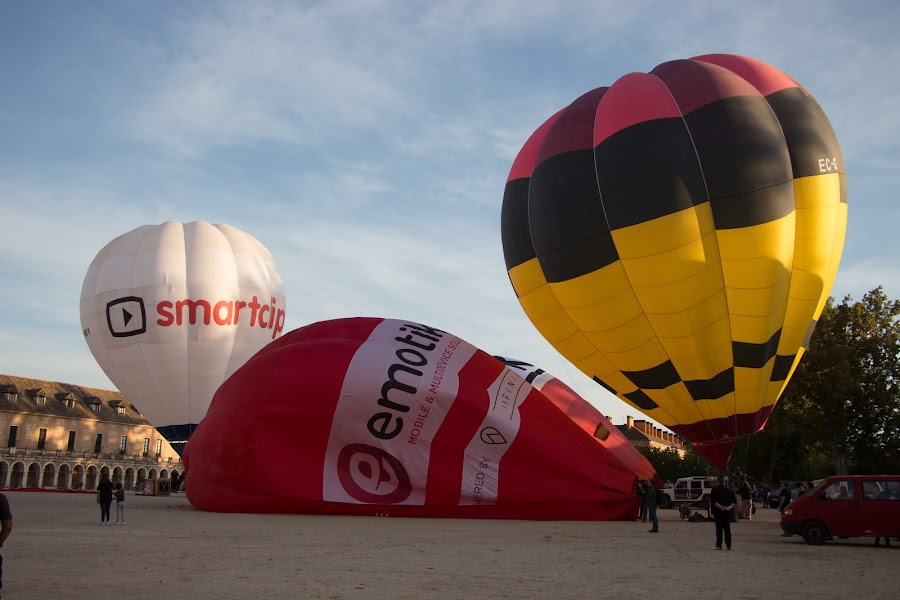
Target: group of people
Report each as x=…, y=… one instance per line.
x=722, y=501
x=649, y=500
x=105, y=492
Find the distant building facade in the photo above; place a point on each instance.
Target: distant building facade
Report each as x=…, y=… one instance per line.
x=63, y=436
x=643, y=434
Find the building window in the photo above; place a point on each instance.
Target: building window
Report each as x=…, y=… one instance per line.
x=13, y=434
x=70, y=403
x=146, y=446
x=95, y=407
x=42, y=439
x=123, y=444
x=40, y=400
x=71, y=445
x=158, y=447
x=120, y=409
x=98, y=443
x=11, y=396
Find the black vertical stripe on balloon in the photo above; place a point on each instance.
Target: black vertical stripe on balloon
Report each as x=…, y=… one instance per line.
x=715, y=387
x=648, y=170
x=811, y=141
x=754, y=208
x=514, y=232
x=564, y=205
x=641, y=400
x=579, y=259
x=740, y=146
x=755, y=356
x=655, y=378
x=782, y=367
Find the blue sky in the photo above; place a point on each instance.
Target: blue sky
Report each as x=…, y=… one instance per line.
x=367, y=143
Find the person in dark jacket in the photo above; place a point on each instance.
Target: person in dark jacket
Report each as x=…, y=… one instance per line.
x=104, y=497
x=722, y=501
x=650, y=500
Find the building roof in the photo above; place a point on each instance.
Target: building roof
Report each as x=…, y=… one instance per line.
x=56, y=393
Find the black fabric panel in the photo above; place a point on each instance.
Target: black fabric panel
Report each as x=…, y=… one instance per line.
x=755, y=356
x=517, y=246
x=811, y=141
x=648, y=170
x=641, y=400
x=564, y=204
x=740, y=145
x=657, y=378
x=604, y=384
x=754, y=208
x=710, y=389
x=580, y=259
x=782, y=367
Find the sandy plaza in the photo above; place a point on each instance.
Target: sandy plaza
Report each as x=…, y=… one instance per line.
x=168, y=549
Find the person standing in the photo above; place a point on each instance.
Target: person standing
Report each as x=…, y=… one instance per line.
x=642, y=498
x=120, y=505
x=723, y=501
x=5, y=530
x=746, y=499
x=104, y=497
x=650, y=500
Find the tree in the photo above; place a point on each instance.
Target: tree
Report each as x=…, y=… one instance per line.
x=844, y=395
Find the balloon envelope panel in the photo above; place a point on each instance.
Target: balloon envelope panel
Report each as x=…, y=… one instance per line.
x=381, y=416
x=675, y=235
x=170, y=311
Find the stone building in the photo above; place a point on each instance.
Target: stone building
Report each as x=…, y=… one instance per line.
x=64, y=436
x=644, y=434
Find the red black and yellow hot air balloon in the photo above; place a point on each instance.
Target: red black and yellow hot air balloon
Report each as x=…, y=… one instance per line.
x=676, y=236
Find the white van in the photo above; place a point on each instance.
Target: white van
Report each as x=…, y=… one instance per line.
x=688, y=490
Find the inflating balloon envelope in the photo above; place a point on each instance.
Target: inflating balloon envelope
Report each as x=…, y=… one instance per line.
x=676, y=235
x=373, y=416
x=171, y=310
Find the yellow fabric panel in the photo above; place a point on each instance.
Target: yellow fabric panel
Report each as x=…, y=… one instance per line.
x=708, y=366
x=700, y=344
x=575, y=347
x=818, y=191
x=608, y=373
x=676, y=407
x=527, y=277
x=626, y=336
x=773, y=240
x=556, y=327
x=838, y=249
x=684, y=294
x=593, y=288
x=609, y=315
x=749, y=380
x=539, y=304
x=749, y=401
x=690, y=320
x=646, y=356
x=807, y=286
x=754, y=330
x=673, y=265
x=761, y=302
x=719, y=408
x=665, y=233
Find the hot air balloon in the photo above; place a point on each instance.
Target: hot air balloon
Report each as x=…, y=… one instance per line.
x=676, y=235
x=586, y=416
x=370, y=416
x=170, y=311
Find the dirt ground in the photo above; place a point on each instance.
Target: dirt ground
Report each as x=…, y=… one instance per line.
x=168, y=549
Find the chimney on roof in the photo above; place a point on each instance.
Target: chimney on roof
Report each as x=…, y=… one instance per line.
x=630, y=422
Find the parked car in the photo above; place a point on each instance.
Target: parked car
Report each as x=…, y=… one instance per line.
x=775, y=493
x=846, y=506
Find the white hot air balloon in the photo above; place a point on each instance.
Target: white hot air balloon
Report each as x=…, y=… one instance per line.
x=172, y=310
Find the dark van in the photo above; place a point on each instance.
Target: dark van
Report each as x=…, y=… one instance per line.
x=846, y=506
